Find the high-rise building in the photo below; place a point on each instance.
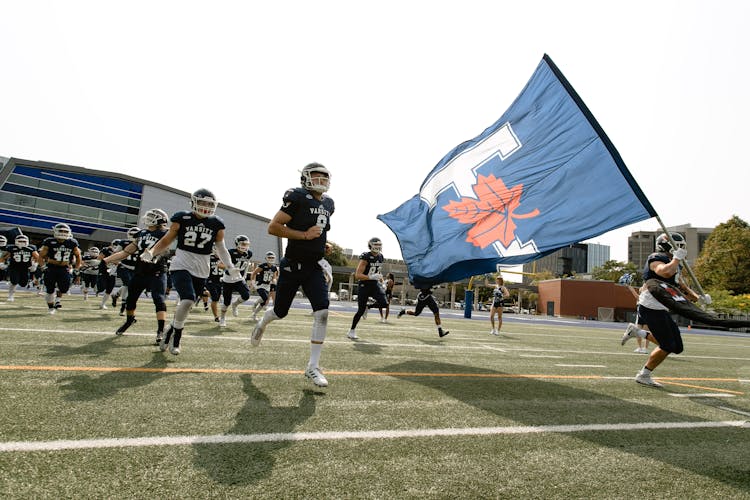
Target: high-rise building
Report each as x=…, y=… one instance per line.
x=643, y=243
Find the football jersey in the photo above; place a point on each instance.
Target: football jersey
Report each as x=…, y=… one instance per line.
x=305, y=211
x=103, y=253
x=195, y=240
x=20, y=258
x=90, y=265
x=146, y=239
x=215, y=271
x=374, y=263
x=240, y=260
x=60, y=251
x=265, y=275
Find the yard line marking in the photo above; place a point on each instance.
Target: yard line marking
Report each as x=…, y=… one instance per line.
x=734, y=411
x=491, y=348
x=704, y=395
x=581, y=366
x=540, y=356
x=57, y=445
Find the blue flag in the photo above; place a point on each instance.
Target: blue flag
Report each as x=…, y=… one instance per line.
x=544, y=176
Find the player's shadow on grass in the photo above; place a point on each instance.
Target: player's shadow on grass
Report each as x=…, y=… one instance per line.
x=92, y=349
x=108, y=384
x=535, y=402
x=366, y=347
x=246, y=463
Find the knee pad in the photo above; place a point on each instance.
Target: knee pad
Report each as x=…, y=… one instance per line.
x=320, y=324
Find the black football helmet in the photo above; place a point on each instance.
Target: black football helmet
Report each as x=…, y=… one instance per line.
x=242, y=243
x=203, y=203
x=375, y=245
x=663, y=244
x=318, y=184
x=62, y=231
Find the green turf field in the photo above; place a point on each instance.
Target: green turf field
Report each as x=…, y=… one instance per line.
x=542, y=411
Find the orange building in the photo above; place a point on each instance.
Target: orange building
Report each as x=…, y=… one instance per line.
x=591, y=299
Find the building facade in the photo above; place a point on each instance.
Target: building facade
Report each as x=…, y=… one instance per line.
x=641, y=244
x=101, y=206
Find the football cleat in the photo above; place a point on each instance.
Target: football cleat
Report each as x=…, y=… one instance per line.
x=316, y=376
x=352, y=335
x=442, y=333
x=630, y=333
x=401, y=312
x=159, y=337
x=125, y=326
x=235, y=313
x=645, y=379
x=222, y=321
x=174, y=350
x=257, y=335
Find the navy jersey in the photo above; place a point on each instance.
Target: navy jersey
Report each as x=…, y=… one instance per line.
x=265, y=275
x=196, y=235
x=240, y=260
x=498, y=296
x=658, y=257
x=144, y=240
x=374, y=263
x=19, y=258
x=216, y=272
x=305, y=212
x=103, y=253
x=60, y=251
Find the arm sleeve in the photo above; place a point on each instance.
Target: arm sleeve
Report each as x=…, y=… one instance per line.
x=223, y=254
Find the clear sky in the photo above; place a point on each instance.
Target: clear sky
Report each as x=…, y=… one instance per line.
x=237, y=96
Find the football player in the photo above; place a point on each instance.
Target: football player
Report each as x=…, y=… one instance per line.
x=105, y=281
x=371, y=284
x=263, y=277
x=425, y=299
x=61, y=253
x=151, y=276
x=240, y=256
x=21, y=261
x=213, y=284
x=196, y=231
x=304, y=220
x=89, y=271
x=125, y=269
x=3, y=244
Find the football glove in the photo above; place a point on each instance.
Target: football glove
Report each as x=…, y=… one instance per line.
x=679, y=253
x=234, y=274
x=705, y=299
x=147, y=256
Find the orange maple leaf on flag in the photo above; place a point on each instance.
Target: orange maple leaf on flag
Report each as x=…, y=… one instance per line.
x=492, y=212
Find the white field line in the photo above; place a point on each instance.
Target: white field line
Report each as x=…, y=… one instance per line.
x=347, y=435
x=726, y=408
x=580, y=366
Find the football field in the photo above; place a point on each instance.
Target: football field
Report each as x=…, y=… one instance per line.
x=548, y=409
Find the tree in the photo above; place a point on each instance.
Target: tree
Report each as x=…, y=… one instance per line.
x=337, y=257
x=724, y=262
x=613, y=270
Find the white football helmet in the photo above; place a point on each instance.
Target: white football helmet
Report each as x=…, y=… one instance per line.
x=94, y=252
x=663, y=244
x=132, y=232
x=318, y=184
x=270, y=257
x=242, y=243
x=3, y=240
x=203, y=203
x=155, y=217
x=62, y=231
x=22, y=241
x=375, y=245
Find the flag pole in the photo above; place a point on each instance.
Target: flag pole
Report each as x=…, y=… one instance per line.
x=698, y=287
